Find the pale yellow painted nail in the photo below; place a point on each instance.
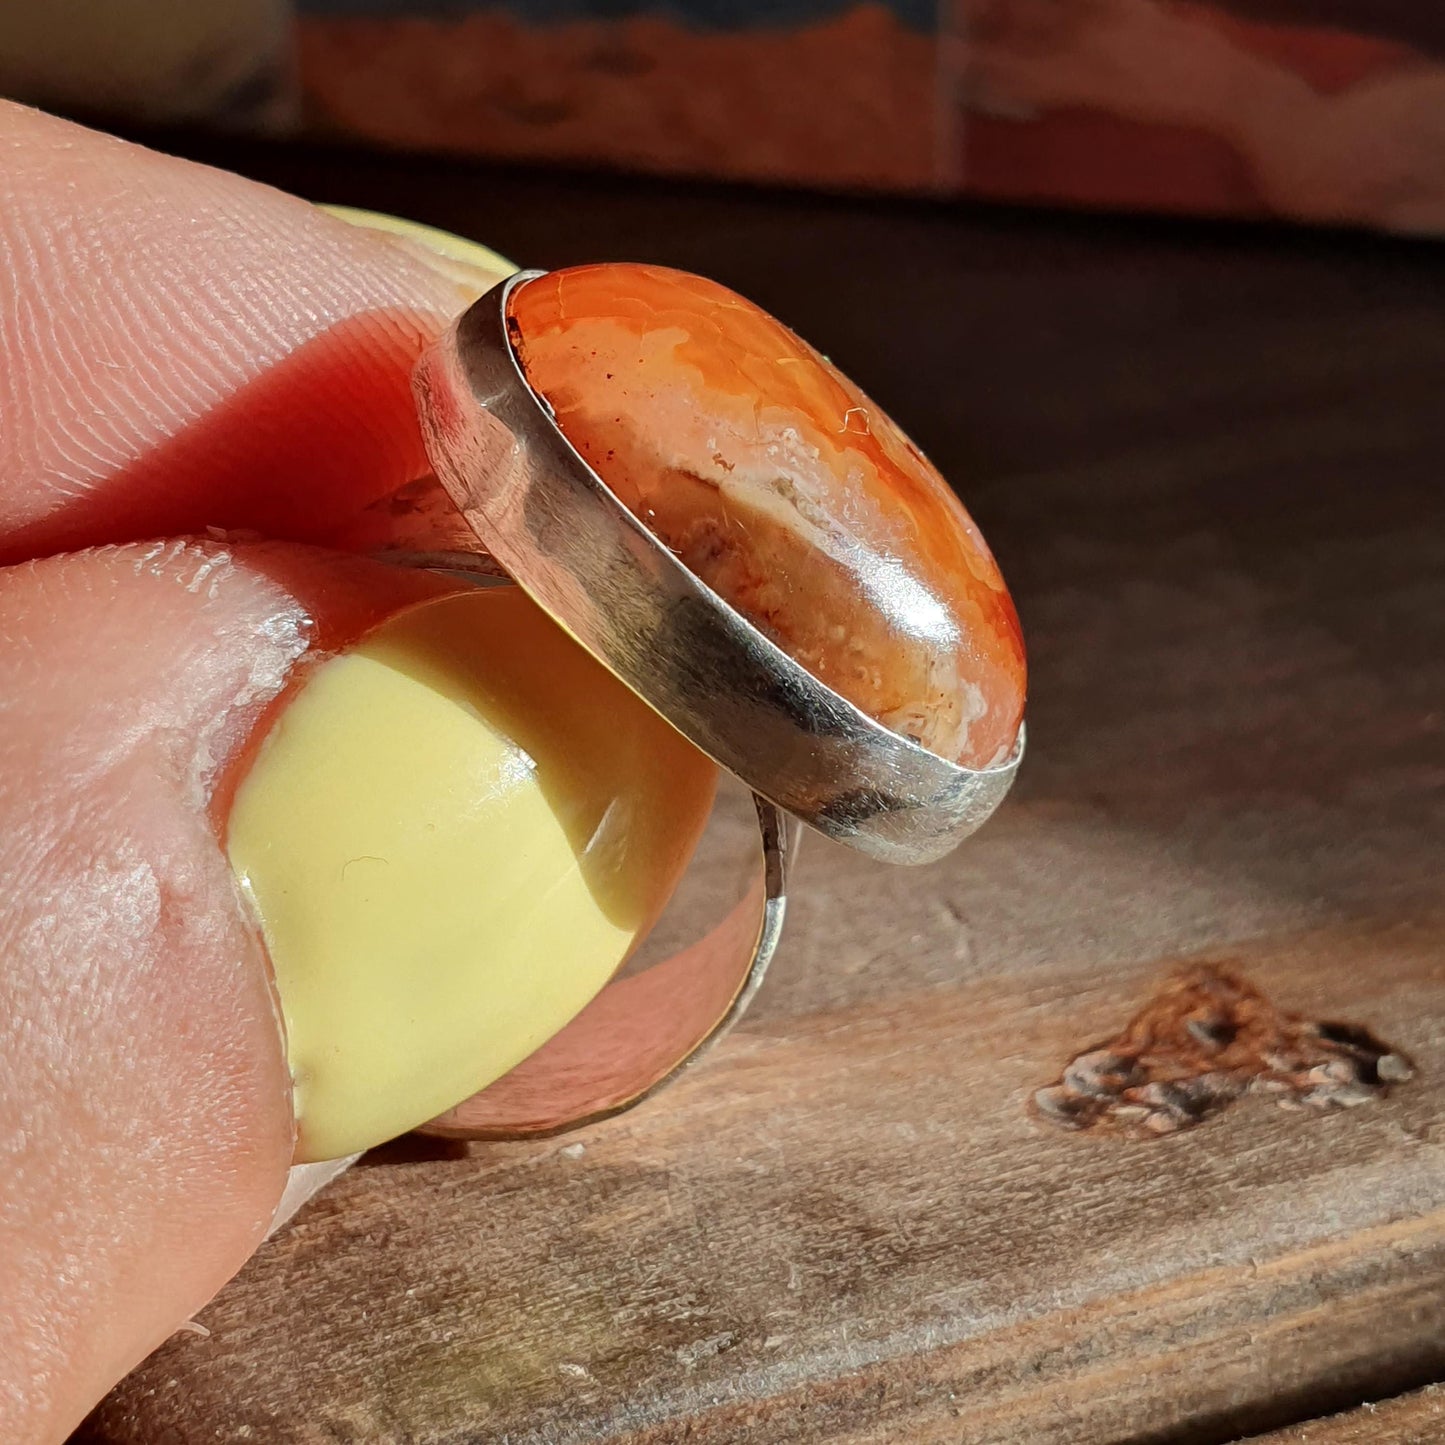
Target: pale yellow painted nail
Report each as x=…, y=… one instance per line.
x=474, y=267
x=451, y=839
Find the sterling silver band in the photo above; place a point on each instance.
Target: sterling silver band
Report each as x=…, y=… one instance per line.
x=644, y=1028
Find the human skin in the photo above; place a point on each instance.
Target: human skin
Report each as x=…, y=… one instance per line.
x=185, y=354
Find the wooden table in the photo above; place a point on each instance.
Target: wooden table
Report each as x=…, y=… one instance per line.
x=1212, y=463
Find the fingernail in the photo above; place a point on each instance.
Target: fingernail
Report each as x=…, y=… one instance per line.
x=451, y=838
x=473, y=267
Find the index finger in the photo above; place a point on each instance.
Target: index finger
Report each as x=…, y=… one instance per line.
x=186, y=349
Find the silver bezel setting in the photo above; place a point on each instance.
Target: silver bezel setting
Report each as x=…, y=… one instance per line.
x=559, y=531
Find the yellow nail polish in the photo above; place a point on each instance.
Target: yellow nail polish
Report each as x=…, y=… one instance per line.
x=475, y=268
x=451, y=838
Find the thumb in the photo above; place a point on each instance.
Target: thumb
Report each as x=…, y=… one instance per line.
x=449, y=822
x=145, y=1118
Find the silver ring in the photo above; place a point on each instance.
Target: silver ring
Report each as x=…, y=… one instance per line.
x=644, y=1028
x=568, y=541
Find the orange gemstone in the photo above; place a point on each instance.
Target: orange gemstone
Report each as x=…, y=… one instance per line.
x=787, y=491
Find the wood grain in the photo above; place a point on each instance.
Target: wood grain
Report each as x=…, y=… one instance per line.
x=1209, y=463
x=1414, y=1419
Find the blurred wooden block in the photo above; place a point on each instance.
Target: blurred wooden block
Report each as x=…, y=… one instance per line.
x=1216, y=490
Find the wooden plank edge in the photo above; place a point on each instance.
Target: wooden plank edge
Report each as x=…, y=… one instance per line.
x=1200, y=1360
x=1414, y=1419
